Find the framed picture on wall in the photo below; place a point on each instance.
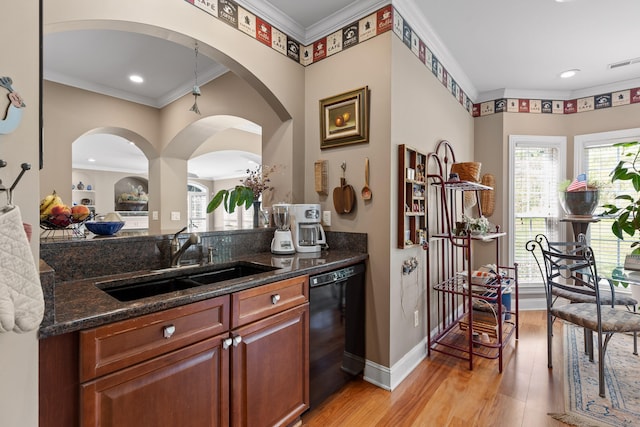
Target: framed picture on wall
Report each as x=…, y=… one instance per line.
x=344, y=118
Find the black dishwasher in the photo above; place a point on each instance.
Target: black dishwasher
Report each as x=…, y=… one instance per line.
x=336, y=330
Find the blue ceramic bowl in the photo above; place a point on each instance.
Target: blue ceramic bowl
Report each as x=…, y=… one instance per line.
x=104, y=228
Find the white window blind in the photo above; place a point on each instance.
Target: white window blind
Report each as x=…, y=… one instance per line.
x=536, y=171
x=597, y=156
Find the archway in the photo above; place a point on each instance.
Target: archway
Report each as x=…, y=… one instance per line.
x=278, y=82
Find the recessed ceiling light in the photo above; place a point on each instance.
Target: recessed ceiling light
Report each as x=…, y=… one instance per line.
x=569, y=73
x=136, y=78
x=91, y=159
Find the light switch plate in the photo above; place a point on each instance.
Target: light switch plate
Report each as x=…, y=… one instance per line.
x=154, y=215
x=175, y=216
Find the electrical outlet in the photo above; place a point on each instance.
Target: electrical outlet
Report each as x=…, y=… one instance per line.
x=416, y=318
x=326, y=218
x=154, y=215
x=175, y=216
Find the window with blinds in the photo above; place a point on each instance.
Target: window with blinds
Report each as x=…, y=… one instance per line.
x=536, y=171
x=598, y=156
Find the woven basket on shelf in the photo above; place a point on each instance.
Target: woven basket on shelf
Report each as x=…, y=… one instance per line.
x=468, y=171
x=488, y=197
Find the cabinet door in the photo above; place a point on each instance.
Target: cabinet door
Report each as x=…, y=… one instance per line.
x=187, y=387
x=270, y=370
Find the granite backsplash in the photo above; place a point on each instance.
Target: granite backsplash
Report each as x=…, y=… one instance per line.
x=76, y=259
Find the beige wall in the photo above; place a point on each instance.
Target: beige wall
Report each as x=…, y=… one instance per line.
x=19, y=353
x=423, y=112
x=367, y=64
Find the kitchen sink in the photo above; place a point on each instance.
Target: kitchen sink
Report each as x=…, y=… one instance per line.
x=158, y=286
x=234, y=271
x=134, y=291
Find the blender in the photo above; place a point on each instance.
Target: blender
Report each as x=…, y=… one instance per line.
x=282, y=242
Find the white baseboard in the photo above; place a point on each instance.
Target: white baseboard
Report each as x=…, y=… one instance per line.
x=390, y=378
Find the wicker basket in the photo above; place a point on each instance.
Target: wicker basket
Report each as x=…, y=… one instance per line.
x=468, y=171
x=488, y=197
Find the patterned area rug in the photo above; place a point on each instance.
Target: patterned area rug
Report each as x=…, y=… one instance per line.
x=621, y=406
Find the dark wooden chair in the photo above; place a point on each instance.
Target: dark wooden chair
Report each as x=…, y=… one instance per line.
x=571, y=267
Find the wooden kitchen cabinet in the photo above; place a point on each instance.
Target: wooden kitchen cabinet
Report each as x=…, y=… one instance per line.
x=239, y=360
x=162, y=369
x=269, y=370
x=270, y=355
x=187, y=388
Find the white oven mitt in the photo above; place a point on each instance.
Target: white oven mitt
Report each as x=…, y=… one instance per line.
x=21, y=299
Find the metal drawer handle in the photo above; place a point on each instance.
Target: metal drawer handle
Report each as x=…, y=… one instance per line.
x=237, y=340
x=275, y=298
x=227, y=343
x=168, y=331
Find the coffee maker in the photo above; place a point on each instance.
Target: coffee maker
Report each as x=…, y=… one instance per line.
x=308, y=234
x=282, y=242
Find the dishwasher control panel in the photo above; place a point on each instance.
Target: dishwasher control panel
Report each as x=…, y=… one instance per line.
x=336, y=275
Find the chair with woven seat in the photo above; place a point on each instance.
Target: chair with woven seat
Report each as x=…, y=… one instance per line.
x=576, y=265
x=571, y=291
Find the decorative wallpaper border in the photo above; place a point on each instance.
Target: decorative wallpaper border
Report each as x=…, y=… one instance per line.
x=386, y=19
x=548, y=106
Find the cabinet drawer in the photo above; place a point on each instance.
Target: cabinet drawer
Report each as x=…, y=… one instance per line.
x=262, y=301
x=108, y=348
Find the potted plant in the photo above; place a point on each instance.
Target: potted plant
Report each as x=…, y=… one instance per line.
x=247, y=193
x=627, y=218
x=579, y=198
x=476, y=226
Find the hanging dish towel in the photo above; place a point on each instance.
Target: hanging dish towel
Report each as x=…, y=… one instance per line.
x=21, y=299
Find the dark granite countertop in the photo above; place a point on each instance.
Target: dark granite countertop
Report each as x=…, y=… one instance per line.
x=80, y=304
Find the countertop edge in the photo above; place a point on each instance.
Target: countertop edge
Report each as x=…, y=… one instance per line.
x=108, y=310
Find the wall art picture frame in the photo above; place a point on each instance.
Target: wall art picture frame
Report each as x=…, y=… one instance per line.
x=344, y=118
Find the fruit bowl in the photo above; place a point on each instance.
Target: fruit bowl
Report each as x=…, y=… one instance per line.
x=104, y=228
x=62, y=221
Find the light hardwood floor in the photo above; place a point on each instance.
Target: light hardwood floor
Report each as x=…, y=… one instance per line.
x=442, y=391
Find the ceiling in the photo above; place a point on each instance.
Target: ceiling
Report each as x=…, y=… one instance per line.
x=493, y=48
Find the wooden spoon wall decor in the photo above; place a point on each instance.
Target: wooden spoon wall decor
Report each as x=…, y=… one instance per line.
x=366, y=191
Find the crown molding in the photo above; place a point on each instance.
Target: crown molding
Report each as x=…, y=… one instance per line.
x=179, y=92
x=275, y=17
x=421, y=26
x=351, y=13
x=557, y=94
x=328, y=25
x=207, y=76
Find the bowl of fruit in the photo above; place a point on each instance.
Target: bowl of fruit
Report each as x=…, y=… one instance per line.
x=56, y=215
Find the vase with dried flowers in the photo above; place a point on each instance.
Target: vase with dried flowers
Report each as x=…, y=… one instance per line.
x=247, y=193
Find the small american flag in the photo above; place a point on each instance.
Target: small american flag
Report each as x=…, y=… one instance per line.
x=579, y=183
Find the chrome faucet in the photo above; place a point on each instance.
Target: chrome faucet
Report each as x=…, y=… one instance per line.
x=177, y=251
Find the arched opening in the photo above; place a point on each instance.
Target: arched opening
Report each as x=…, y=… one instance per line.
x=109, y=173
x=249, y=90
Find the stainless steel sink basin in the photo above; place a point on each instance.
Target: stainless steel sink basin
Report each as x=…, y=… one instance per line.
x=158, y=286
